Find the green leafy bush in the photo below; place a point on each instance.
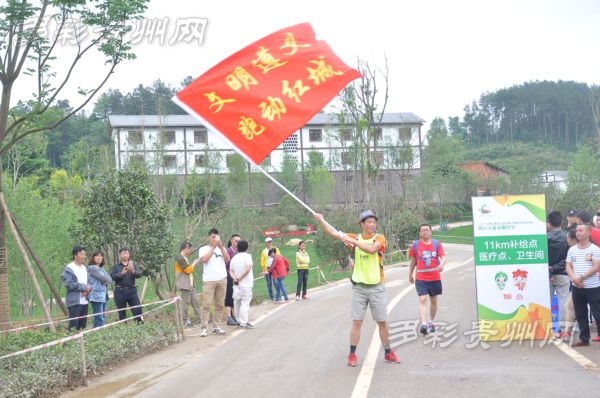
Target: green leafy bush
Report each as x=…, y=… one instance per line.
x=48, y=371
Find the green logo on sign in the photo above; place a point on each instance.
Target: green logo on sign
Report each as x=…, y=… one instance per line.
x=501, y=279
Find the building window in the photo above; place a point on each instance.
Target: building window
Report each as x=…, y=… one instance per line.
x=167, y=137
x=405, y=134
x=200, y=137
x=200, y=161
x=135, y=137
x=377, y=157
x=137, y=160
x=169, y=161
x=346, y=158
x=346, y=134
x=315, y=135
x=349, y=178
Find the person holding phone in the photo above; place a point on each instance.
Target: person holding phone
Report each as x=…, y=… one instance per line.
x=213, y=256
x=125, y=274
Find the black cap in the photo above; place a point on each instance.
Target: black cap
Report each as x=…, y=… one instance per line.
x=572, y=213
x=366, y=214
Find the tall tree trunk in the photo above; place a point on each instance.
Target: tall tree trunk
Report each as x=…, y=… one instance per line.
x=4, y=293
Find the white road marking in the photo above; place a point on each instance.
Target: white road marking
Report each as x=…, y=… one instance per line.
x=580, y=359
x=363, y=381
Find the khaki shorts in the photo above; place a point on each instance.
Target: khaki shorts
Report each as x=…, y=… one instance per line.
x=372, y=296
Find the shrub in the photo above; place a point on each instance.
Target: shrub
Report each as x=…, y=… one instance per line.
x=51, y=370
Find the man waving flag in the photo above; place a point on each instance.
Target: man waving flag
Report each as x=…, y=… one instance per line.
x=259, y=96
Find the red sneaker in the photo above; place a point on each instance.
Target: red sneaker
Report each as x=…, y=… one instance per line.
x=596, y=339
x=391, y=357
x=352, y=359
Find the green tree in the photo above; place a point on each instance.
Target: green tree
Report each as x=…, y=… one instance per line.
x=154, y=99
x=584, y=169
x=594, y=98
x=237, y=179
x=319, y=182
x=26, y=50
x=289, y=172
x=364, y=102
x=46, y=223
x=555, y=113
x=88, y=160
x=120, y=209
x=437, y=128
x=583, y=181
x=26, y=156
x=442, y=155
x=64, y=187
x=456, y=128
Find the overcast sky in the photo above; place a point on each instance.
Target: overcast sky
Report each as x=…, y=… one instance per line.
x=442, y=54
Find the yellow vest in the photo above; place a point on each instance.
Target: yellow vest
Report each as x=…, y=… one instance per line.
x=366, y=266
x=302, y=260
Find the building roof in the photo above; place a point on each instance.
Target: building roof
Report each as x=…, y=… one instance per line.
x=388, y=118
x=486, y=164
x=320, y=119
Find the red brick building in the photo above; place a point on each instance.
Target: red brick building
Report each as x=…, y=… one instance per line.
x=488, y=177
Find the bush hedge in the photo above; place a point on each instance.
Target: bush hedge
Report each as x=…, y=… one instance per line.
x=49, y=371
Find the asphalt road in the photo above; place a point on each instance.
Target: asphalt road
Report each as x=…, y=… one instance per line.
x=300, y=350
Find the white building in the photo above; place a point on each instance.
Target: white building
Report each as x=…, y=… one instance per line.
x=180, y=145
x=554, y=177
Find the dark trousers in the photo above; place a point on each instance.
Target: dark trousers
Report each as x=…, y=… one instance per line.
x=229, y=292
x=128, y=296
x=581, y=299
x=302, y=282
x=76, y=311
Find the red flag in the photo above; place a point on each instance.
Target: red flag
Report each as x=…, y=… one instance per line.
x=260, y=95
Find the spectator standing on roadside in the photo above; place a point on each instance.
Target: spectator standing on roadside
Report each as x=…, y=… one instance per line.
x=232, y=251
x=265, y=264
x=75, y=279
x=302, y=265
x=99, y=280
x=243, y=281
x=125, y=273
x=184, y=282
x=214, y=281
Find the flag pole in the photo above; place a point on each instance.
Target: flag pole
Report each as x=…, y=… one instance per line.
x=280, y=185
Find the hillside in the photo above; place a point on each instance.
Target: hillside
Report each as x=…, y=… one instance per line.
x=521, y=158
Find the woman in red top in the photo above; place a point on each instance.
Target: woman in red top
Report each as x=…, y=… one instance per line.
x=279, y=270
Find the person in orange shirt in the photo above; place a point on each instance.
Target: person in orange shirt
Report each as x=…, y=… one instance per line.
x=368, y=288
x=184, y=282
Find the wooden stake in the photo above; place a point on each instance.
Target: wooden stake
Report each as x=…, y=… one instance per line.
x=42, y=268
x=83, y=364
x=318, y=275
x=176, y=309
x=144, y=290
x=36, y=284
